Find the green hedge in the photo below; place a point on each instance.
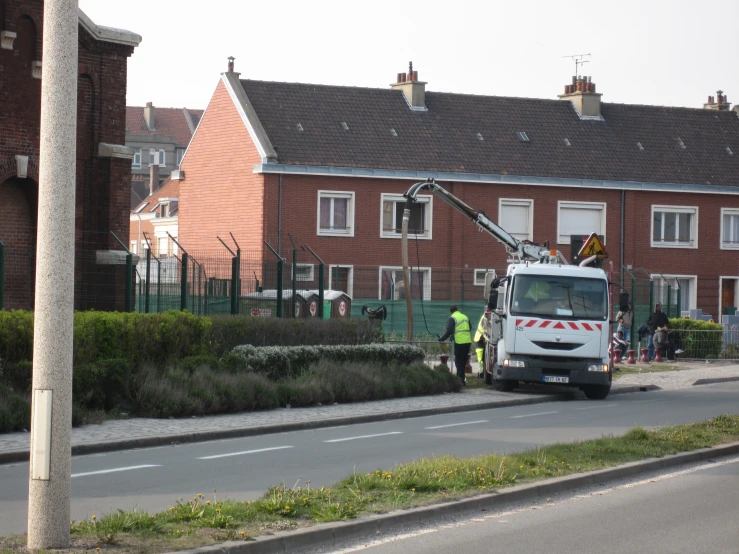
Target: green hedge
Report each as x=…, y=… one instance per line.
x=291, y=361
x=699, y=339
x=174, y=335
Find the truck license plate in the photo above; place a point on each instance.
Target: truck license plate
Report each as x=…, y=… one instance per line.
x=555, y=379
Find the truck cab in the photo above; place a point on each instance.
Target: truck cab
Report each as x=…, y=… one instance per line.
x=551, y=326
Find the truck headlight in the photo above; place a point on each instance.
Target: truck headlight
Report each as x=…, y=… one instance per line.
x=598, y=368
x=513, y=363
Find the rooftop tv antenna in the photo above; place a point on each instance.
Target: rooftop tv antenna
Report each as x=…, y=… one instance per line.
x=579, y=60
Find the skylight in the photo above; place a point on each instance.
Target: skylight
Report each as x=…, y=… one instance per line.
x=639, y=146
x=300, y=127
x=393, y=132
x=344, y=126
x=567, y=142
x=479, y=136
x=141, y=207
x=680, y=143
x=522, y=136
x=729, y=151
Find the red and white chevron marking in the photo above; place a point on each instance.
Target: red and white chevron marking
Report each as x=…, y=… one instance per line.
x=564, y=325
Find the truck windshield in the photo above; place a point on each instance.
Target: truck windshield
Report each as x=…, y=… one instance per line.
x=559, y=297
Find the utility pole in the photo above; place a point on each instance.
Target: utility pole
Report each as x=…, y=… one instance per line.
x=49, y=487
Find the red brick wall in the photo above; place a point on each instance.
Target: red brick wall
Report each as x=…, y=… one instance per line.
x=220, y=192
x=103, y=185
x=18, y=234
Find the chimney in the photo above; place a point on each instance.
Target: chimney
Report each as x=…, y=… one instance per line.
x=149, y=116
x=231, y=64
x=153, y=178
x=583, y=96
x=718, y=103
x=413, y=89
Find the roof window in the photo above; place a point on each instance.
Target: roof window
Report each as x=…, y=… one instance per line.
x=567, y=142
x=729, y=151
x=344, y=126
x=300, y=127
x=680, y=143
x=523, y=137
x=141, y=207
x=479, y=136
x=393, y=132
x=639, y=146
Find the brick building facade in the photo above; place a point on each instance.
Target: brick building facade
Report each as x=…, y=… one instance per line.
x=329, y=164
x=103, y=163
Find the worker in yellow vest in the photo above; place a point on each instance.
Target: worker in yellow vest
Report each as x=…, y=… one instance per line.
x=480, y=340
x=458, y=327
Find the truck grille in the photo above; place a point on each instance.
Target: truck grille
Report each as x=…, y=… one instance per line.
x=557, y=345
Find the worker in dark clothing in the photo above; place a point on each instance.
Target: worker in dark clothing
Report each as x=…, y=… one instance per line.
x=657, y=319
x=458, y=327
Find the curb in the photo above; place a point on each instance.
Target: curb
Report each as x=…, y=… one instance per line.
x=715, y=380
x=148, y=442
x=327, y=535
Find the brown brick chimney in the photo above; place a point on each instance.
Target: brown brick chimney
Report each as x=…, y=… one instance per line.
x=720, y=102
x=413, y=89
x=581, y=92
x=149, y=116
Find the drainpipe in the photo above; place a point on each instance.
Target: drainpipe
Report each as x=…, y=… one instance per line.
x=279, y=218
x=623, y=241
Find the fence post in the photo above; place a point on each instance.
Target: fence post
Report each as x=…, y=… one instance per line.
x=280, y=267
x=129, y=282
x=669, y=299
x=294, y=280
x=238, y=281
x=321, y=287
x=147, y=289
x=234, y=293
x=2, y=275
x=679, y=305
x=159, y=285
x=651, y=296
x=183, y=282
x=633, y=316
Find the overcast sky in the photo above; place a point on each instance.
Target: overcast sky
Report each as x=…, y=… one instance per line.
x=664, y=52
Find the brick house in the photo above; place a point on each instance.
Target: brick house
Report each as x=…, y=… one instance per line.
x=103, y=162
x=158, y=137
x=329, y=164
x=156, y=218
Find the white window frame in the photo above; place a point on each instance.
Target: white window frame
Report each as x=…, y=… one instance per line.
x=136, y=161
x=161, y=254
x=399, y=199
x=134, y=247
x=426, y=289
x=502, y=202
x=350, y=284
x=348, y=195
x=179, y=154
x=693, y=287
x=586, y=205
x=721, y=291
x=162, y=157
x=480, y=282
x=727, y=211
x=309, y=278
x=675, y=209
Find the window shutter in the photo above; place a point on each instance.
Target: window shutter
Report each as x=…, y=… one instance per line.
x=576, y=220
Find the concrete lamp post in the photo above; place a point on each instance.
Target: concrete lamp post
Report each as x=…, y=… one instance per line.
x=49, y=488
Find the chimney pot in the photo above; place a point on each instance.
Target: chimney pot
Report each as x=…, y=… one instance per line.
x=574, y=79
x=148, y=104
x=415, y=75
x=592, y=88
x=400, y=78
x=231, y=64
x=149, y=117
x=404, y=77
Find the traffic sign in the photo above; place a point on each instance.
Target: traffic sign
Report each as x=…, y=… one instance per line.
x=313, y=308
x=256, y=312
x=593, y=247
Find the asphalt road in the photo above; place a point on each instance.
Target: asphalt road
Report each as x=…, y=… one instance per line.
x=686, y=511
x=152, y=479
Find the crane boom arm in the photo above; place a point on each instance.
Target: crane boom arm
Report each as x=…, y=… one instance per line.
x=513, y=245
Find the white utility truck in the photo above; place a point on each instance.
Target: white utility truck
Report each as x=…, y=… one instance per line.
x=549, y=321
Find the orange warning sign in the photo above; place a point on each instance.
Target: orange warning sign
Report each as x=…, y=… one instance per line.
x=593, y=247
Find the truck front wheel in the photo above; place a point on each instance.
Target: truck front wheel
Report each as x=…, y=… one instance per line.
x=502, y=385
x=596, y=392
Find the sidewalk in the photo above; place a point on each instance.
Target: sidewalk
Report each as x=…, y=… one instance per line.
x=140, y=432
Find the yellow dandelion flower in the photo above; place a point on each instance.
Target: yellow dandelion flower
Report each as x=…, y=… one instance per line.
x=287, y=508
x=94, y=517
x=242, y=533
x=207, y=502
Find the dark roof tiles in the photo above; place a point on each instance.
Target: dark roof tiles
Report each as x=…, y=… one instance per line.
x=445, y=139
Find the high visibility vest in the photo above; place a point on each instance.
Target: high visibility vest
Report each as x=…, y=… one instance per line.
x=461, y=328
x=480, y=329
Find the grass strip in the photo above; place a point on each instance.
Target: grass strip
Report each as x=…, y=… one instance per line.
x=200, y=521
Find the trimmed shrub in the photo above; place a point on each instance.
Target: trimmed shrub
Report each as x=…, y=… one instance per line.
x=292, y=361
x=16, y=336
x=699, y=339
x=98, y=385
x=15, y=411
x=18, y=375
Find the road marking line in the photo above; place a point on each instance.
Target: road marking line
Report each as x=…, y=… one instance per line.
x=532, y=415
x=598, y=406
x=244, y=452
x=457, y=424
x=114, y=470
x=366, y=436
